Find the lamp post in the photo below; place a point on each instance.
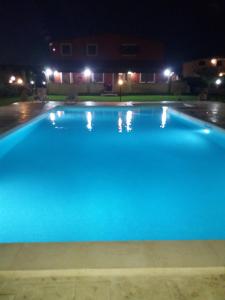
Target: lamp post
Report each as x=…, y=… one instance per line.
x=88, y=75
x=168, y=73
x=120, y=83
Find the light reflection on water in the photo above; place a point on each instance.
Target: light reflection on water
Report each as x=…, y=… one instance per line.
x=89, y=120
x=164, y=116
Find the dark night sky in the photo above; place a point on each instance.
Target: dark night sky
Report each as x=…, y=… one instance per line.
x=189, y=29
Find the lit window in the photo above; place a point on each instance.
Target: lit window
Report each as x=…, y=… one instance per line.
x=91, y=49
x=66, y=49
x=66, y=78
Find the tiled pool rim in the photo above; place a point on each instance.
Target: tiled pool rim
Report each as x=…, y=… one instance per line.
x=29, y=259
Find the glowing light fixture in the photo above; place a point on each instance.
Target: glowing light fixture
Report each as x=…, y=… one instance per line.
x=48, y=72
x=120, y=82
x=87, y=72
x=12, y=78
x=32, y=82
x=20, y=81
x=129, y=73
x=218, y=81
x=214, y=61
x=168, y=73
x=221, y=74
x=56, y=73
x=206, y=130
x=44, y=82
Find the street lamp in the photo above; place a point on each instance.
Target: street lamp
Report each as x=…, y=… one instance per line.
x=168, y=73
x=120, y=83
x=87, y=73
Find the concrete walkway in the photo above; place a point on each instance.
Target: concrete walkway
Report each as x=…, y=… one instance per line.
x=19, y=113
x=142, y=287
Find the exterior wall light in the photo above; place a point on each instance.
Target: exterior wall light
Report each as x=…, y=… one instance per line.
x=87, y=73
x=20, y=81
x=214, y=61
x=48, y=72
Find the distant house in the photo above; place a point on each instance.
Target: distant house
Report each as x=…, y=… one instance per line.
x=95, y=64
x=195, y=67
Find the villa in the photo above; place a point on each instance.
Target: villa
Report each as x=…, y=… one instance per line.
x=95, y=64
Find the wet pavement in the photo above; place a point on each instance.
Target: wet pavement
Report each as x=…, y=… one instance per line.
x=19, y=113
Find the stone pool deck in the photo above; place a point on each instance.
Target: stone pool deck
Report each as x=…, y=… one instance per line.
x=162, y=270
x=19, y=113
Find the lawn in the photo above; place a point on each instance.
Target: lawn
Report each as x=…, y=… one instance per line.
x=137, y=98
x=128, y=98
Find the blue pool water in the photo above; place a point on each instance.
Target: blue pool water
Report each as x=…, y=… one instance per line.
x=112, y=174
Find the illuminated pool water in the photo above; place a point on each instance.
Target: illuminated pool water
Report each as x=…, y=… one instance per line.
x=112, y=174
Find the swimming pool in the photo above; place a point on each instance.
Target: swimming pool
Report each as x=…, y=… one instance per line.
x=112, y=174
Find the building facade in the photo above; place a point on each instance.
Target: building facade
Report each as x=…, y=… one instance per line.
x=96, y=64
x=194, y=68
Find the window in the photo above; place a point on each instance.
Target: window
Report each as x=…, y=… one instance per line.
x=129, y=49
x=66, y=78
x=147, y=77
x=219, y=63
x=98, y=77
x=66, y=49
x=91, y=49
x=201, y=63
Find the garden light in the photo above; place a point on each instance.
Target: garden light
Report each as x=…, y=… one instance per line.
x=12, y=78
x=20, y=81
x=218, y=81
x=120, y=82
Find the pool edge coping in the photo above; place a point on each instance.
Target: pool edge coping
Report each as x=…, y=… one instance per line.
x=88, y=257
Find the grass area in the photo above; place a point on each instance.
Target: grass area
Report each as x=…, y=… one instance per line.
x=6, y=101
x=128, y=98
x=137, y=98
